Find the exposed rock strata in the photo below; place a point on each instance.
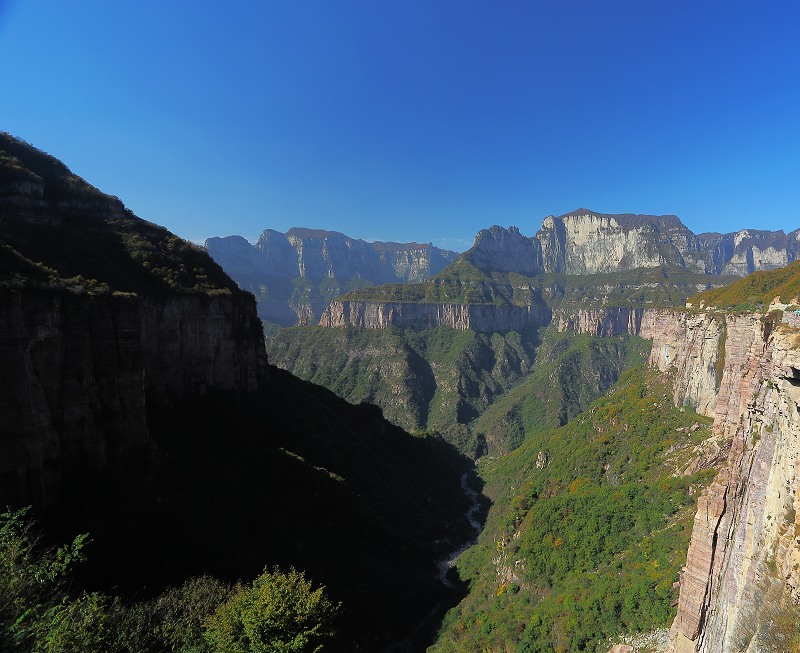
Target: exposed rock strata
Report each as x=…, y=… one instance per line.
x=601, y=322
x=506, y=250
x=743, y=544
x=684, y=342
x=291, y=313
x=586, y=242
x=102, y=315
x=481, y=318
x=745, y=372
x=294, y=275
x=742, y=563
x=73, y=389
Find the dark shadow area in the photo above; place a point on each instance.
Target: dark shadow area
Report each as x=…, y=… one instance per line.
x=293, y=476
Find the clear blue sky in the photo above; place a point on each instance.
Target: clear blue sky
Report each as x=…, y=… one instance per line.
x=414, y=120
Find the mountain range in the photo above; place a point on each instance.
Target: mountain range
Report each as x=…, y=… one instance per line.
x=585, y=242
x=612, y=410
x=294, y=275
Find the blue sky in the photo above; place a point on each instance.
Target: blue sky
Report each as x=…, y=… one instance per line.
x=414, y=120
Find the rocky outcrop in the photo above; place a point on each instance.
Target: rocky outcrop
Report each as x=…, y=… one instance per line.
x=741, y=569
x=600, y=322
x=686, y=344
x=586, y=242
x=318, y=255
x=191, y=343
x=745, y=251
x=506, y=250
x=287, y=314
x=482, y=318
x=73, y=390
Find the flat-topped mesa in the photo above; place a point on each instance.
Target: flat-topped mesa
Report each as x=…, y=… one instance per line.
x=102, y=316
x=585, y=242
x=317, y=255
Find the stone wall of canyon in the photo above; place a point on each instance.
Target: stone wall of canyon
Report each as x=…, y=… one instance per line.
x=79, y=372
x=741, y=577
x=482, y=318
x=585, y=242
x=744, y=371
x=740, y=570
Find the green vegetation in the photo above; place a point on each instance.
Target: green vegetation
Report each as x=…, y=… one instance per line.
x=482, y=392
x=278, y=612
x=290, y=476
x=756, y=291
x=588, y=531
x=437, y=379
x=91, y=243
x=570, y=372
x=461, y=282
x=642, y=287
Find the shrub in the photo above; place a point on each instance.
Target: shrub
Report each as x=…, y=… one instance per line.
x=278, y=613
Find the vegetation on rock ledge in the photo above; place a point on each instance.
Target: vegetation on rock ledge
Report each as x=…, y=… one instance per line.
x=756, y=291
x=588, y=531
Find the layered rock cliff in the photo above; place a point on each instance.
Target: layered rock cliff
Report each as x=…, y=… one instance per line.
x=294, y=275
x=102, y=315
x=741, y=574
x=741, y=568
x=585, y=242
x=601, y=321
x=481, y=318
x=740, y=588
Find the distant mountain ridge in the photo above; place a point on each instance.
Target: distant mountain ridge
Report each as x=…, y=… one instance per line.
x=295, y=274
x=586, y=242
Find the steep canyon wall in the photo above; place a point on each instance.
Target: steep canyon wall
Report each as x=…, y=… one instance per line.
x=482, y=318
x=740, y=569
x=79, y=372
x=741, y=576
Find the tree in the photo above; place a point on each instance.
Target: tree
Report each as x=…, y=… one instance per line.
x=278, y=613
x=35, y=613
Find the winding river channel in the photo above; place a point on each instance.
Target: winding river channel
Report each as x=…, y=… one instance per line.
x=448, y=562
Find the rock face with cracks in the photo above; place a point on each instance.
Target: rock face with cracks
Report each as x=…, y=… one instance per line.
x=741, y=575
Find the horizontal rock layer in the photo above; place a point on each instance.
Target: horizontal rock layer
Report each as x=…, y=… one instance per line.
x=481, y=318
x=320, y=255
